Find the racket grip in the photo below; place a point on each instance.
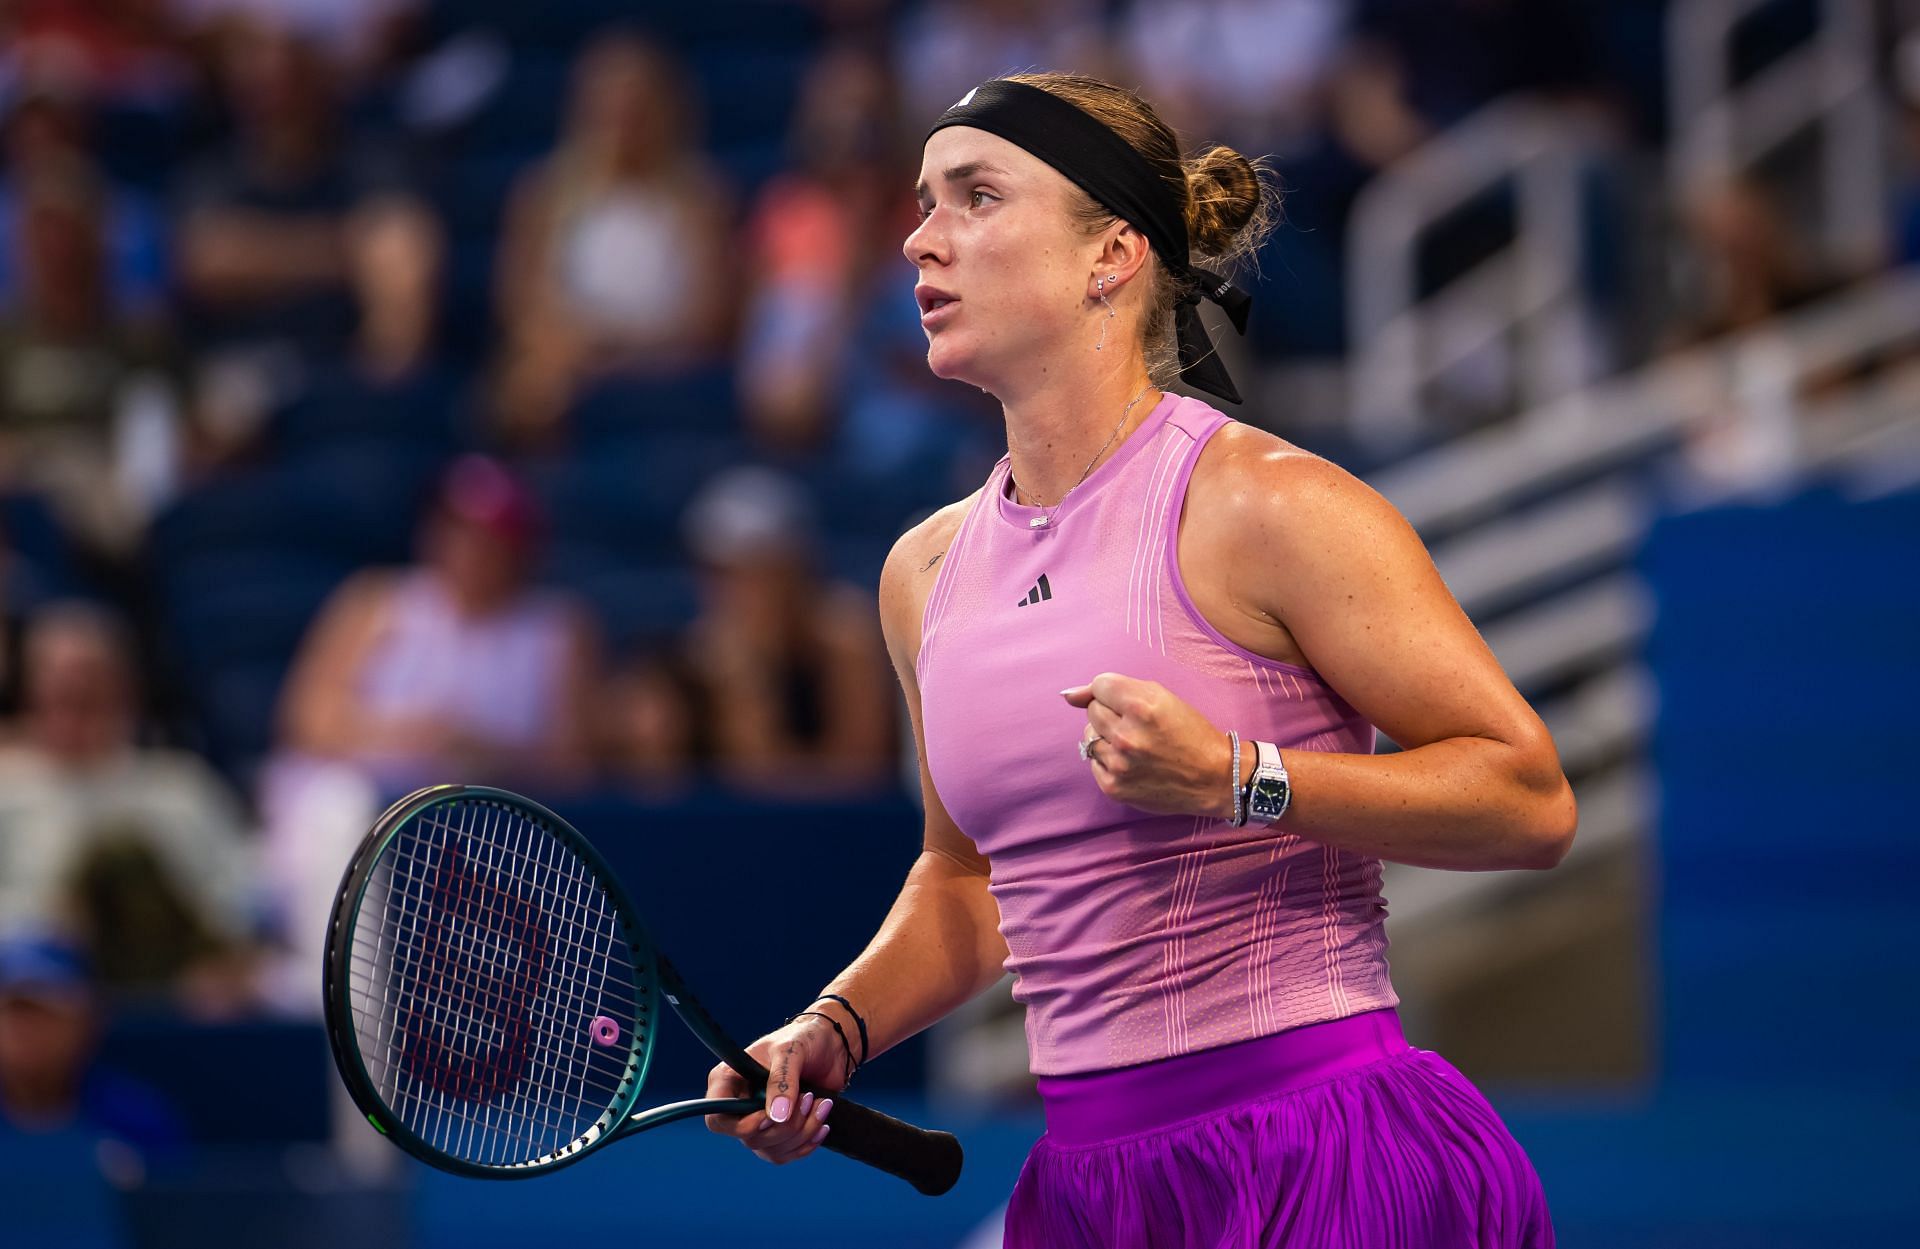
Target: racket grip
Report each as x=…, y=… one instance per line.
x=930, y=1161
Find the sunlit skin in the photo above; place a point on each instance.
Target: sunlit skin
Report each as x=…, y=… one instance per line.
x=1477, y=784
x=996, y=233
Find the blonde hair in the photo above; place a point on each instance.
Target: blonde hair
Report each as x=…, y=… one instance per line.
x=1231, y=203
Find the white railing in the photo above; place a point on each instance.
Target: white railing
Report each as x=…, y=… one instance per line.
x=1827, y=86
x=1746, y=416
x=1520, y=315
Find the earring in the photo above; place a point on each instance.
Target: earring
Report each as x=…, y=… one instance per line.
x=1100, y=289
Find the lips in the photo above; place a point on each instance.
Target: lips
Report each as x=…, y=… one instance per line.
x=933, y=300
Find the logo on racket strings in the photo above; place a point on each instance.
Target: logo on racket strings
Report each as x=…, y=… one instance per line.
x=474, y=974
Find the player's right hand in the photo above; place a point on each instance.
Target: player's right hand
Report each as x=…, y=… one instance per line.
x=793, y=1124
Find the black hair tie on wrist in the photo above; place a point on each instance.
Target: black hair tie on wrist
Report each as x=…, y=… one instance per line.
x=858, y=1022
x=846, y=1045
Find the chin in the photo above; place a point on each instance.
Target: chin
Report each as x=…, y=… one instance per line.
x=947, y=361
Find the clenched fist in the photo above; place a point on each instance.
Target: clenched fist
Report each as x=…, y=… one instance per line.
x=1150, y=750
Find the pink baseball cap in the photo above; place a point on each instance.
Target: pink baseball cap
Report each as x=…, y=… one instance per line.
x=484, y=492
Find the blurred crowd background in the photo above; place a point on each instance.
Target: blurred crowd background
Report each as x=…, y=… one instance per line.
x=395, y=391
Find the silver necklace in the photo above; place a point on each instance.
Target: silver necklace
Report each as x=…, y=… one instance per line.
x=1045, y=519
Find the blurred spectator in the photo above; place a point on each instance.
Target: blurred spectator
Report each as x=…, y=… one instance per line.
x=456, y=667
x=124, y=51
x=12, y=626
x=259, y=241
x=1367, y=124
x=1240, y=72
x=903, y=432
x=814, y=237
x=791, y=672
x=49, y=1030
x=87, y=402
x=45, y=131
x=395, y=250
x=389, y=392
x=947, y=46
x=1906, y=75
x=1457, y=55
x=648, y=737
x=142, y=852
x=356, y=36
x=616, y=251
x=1748, y=264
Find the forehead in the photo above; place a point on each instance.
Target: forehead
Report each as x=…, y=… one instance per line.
x=957, y=147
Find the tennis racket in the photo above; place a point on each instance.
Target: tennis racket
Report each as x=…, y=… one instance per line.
x=492, y=999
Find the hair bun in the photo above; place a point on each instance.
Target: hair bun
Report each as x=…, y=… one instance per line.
x=1229, y=206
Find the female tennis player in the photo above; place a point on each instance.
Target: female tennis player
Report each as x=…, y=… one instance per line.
x=1145, y=663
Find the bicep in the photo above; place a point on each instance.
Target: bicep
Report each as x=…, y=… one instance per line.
x=900, y=606
x=943, y=836
x=1350, y=579
x=319, y=687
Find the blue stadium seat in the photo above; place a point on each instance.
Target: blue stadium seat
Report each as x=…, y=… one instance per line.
x=750, y=163
x=44, y=564
x=237, y=703
x=359, y=506
x=523, y=114
x=241, y=1197
x=340, y=410
x=749, y=92
x=261, y=1063
x=629, y=410
x=608, y=506
x=224, y=607
x=635, y=603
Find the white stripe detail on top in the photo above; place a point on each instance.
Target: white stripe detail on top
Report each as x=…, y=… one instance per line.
x=1140, y=576
x=1182, y=898
x=1159, y=504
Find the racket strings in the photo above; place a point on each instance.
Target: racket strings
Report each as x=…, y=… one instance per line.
x=550, y=1116
x=493, y=950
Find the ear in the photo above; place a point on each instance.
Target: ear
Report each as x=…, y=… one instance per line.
x=1122, y=255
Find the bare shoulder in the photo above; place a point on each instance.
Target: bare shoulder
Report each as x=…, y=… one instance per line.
x=1249, y=467
x=909, y=574
x=1251, y=483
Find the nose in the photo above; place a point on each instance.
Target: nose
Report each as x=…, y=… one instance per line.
x=927, y=242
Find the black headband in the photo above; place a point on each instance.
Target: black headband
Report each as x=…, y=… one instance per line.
x=1108, y=168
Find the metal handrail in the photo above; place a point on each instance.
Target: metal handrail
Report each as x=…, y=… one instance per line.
x=1578, y=458
x=1404, y=342
x=1721, y=128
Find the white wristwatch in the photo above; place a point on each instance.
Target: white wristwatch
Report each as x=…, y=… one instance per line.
x=1269, y=793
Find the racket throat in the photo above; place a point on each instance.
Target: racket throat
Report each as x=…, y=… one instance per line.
x=697, y=1108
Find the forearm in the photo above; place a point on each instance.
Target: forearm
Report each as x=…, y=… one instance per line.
x=1464, y=804
x=939, y=946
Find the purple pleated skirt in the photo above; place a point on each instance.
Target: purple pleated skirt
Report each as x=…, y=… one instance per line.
x=1336, y=1135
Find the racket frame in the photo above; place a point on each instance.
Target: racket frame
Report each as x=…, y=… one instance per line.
x=929, y=1160
x=616, y=1121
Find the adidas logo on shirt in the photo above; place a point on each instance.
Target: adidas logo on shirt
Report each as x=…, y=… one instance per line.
x=1040, y=593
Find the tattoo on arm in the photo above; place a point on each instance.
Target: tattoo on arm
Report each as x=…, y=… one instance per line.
x=930, y=563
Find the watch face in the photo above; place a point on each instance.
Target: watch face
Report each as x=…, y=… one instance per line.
x=1269, y=797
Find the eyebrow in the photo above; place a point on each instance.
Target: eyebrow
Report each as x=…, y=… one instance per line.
x=959, y=173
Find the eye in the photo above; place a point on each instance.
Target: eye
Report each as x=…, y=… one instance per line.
x=973, y=201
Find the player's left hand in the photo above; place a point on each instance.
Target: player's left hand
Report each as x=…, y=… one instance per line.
x=1151, y=750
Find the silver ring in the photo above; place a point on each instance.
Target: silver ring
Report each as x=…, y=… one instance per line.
x=1086, y=746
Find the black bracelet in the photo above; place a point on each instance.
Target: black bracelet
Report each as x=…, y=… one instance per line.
x=858, y=1022
x=851, y=1066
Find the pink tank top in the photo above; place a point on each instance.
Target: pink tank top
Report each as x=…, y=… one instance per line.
x=1133, y=937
